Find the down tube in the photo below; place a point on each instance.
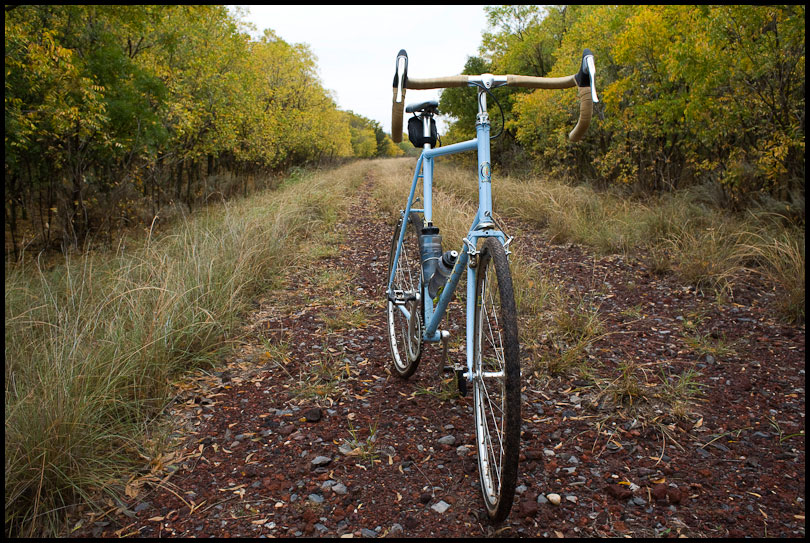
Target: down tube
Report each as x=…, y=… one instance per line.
x=444, y=299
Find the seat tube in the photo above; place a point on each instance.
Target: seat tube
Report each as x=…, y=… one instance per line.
x=484, y=166
x=427, y=174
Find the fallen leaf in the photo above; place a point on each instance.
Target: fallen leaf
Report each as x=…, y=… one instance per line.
x=232, y=489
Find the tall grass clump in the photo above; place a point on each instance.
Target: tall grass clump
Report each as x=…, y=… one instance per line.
x=92, y=345
x=780, y=259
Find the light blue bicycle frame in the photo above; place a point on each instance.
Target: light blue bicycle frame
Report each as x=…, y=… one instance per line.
x=483, y=226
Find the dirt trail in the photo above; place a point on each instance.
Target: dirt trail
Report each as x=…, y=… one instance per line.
x=305, y=433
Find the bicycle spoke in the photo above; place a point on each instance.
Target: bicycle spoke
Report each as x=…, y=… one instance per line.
x=497, y=393
x=404, y=334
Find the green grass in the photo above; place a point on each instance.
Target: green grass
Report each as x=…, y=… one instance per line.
x=346, y=318
x=92, y=345
x=704, y=344
x=445, y=390
x=680, y=391
x=364, y=449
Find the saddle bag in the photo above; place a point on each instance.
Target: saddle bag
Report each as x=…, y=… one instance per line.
x=416, y=132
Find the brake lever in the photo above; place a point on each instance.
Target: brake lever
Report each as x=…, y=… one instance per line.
x=401, y=75
x=592, y=73
x=586, y=75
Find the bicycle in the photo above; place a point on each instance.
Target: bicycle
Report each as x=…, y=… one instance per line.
x=422, y=278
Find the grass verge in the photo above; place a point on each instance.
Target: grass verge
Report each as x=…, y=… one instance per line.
x=685, y=232
x=92, y=344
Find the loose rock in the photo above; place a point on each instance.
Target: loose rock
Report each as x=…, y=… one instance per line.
x=528, y=508
x=340, y=489
x=619, y=492
x=313, y=415
x=440, y=507
x=321, y=461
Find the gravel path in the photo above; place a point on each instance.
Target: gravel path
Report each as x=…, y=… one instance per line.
x=305, y=433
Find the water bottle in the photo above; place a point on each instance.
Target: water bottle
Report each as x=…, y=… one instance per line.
x=430, y=248
x=442, y=273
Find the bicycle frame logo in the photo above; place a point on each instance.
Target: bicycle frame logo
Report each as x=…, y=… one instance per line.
x=486, y=172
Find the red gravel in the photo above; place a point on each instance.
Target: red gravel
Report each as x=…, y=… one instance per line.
x=242, y=465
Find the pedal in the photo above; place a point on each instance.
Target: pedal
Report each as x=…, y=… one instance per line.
x=401, y=297
x=461, y=383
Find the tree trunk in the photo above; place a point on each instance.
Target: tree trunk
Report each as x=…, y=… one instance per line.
x=179, y=180
x=10, y=217
x=191, y=175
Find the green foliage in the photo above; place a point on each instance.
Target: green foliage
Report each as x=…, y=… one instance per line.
x=368, y=139
x=689, y=93
x=460, y=104
x=523, y=40
x=114, y=113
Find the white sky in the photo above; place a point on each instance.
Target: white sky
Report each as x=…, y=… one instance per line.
x=356, y=47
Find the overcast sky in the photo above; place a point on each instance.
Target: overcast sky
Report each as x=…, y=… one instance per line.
x=356, y=47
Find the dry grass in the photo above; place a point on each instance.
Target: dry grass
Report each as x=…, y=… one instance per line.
x=780, y=259
x=93, y=344
x=684, y=232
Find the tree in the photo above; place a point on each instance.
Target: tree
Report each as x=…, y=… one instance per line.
x=114, y=111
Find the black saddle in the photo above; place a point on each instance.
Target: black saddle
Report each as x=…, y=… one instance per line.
x=431, y=106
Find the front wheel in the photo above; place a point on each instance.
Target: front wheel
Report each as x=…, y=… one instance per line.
x=496, y=380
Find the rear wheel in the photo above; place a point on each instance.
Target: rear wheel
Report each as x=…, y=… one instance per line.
x=405, y=333
x=496, y=380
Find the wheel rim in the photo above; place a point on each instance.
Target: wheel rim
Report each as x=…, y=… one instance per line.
x=489, y=389
x=404, y=335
